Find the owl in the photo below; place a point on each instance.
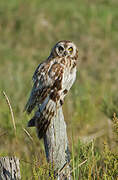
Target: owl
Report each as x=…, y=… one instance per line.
x=52, y=80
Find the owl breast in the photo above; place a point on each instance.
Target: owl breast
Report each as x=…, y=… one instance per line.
x=69, y=74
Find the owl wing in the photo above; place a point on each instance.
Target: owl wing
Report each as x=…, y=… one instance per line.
x=47, y=81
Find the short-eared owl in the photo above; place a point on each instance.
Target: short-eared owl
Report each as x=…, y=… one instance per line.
x=52, y=80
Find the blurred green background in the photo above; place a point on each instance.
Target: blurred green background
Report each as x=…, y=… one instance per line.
x=28, y=31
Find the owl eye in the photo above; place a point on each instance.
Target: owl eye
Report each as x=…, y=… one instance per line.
x=70, y=49
x=60, y=48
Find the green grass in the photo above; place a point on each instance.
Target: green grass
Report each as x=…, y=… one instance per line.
x=28, y=30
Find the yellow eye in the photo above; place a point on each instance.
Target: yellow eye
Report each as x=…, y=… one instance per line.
x=70, y=49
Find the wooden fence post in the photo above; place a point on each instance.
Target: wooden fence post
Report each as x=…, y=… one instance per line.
x=9, y=168
x=56, y=147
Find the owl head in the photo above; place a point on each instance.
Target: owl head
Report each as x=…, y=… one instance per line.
x=65, y=49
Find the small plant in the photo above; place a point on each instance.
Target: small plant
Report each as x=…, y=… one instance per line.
x=42, y=172
x=110, y=163
x=86, y=161
x=115, y=124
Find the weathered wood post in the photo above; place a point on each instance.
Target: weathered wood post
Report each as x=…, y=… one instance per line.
x=9, y=168
x=56, y=146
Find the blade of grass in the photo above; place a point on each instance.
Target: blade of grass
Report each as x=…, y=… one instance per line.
x=11, y=111
x=28, y=134
x=73, y=160
x=79, y=165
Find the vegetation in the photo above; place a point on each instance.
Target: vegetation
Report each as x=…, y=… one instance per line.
x=28, y=30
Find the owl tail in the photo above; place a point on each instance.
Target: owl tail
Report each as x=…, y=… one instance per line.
x=43, y=117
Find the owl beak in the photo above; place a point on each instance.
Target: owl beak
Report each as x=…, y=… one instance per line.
x=65, y=53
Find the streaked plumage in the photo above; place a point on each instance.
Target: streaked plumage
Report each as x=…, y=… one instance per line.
x=52, y=80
